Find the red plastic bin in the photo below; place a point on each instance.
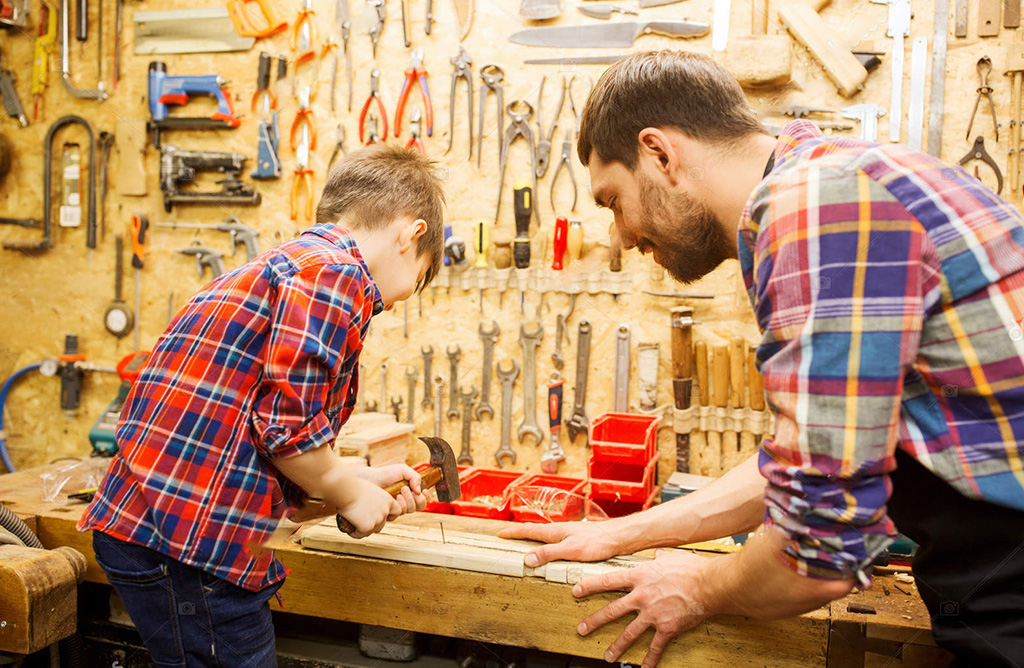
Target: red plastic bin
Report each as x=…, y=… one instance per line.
x=629, y=437
x=614, y=508
x=617, y=480
x=485, y=482
x=521, y=512
x=433, y=505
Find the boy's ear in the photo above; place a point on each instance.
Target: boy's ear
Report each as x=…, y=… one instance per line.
x=411, y=233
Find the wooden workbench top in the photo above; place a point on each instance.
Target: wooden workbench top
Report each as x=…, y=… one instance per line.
x=525, y=612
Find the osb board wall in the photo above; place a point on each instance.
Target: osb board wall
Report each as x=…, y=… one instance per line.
x=67, y=289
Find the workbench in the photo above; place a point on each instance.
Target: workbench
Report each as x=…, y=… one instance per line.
x=534, y=613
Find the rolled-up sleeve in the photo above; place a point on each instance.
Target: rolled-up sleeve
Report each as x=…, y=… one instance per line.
x=838, y=296
x=311, y=335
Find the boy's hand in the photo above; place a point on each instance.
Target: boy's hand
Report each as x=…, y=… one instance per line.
x=370, y=508
x=411, y=499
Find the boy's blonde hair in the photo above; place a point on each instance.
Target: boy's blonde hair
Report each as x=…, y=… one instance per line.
x=375, y=185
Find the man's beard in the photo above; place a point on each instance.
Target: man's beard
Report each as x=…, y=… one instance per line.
x=690, y=241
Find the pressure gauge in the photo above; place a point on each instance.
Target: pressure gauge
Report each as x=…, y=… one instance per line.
x=118, y=319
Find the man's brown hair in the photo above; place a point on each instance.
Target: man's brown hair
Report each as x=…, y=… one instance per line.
x=375, y=185
x=688, y=92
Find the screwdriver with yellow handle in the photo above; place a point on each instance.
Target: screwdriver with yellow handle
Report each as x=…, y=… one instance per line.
x=574, y=242
x=481, y=244
x=523, y=201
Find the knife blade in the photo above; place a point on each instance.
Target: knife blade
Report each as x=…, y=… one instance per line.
x=618, y=35
x=603, y=10
x=645, y=4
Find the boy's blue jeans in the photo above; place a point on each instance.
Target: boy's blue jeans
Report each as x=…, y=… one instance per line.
x=187, y=617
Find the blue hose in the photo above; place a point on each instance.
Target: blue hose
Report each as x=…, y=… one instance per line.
x=4, y=457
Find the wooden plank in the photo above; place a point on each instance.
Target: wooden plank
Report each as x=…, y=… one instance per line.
x=988, y=18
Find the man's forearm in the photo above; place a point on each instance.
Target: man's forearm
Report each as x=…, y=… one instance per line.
x=754, y=582
x=732, y=504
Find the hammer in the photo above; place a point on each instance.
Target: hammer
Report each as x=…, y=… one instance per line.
x=443, y=476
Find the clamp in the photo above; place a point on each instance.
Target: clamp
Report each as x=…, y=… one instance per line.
x=491, y=77
x=544, y=138
x=413, y=72
x=978, y=152
x=519, y=125
x=461, y=70
x=374, y=96
x=984, y=90
x=565, y=160
x=414, y=130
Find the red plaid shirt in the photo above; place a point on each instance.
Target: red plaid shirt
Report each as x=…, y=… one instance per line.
x=261, y=363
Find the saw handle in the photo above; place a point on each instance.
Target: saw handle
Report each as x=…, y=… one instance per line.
x=428, y=479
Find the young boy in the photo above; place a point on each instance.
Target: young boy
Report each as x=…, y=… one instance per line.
x=225, y=429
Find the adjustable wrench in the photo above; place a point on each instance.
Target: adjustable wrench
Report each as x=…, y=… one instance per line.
x=467, y=411
x=555, y=454
x=489, y=338
x=438, y=398
x=411, y=373
x=428, y=355
x=383, y=385
x=529, y=342
x=578, y=422
x=506, y=378
x=453, y=380
x=620, y=390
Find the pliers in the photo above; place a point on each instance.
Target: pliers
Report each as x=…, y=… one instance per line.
x=544, y=138
x=303, y=120
x=339, y=145
x=304, y=30
x=414, y=130
x=413, y=72
x=491, y=77
x=374, y=95
x=303, y=180
x=382, y=12
x=461, y=70
x=519, y=125
x=373, y=137
x=567, y=161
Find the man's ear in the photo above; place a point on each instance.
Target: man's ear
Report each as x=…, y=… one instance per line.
x=411, y=232
x=659, y=151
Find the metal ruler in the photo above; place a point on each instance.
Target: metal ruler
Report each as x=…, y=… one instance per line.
x=938, y=76
x=899, y=28
x=961, y=17
x=915, y=115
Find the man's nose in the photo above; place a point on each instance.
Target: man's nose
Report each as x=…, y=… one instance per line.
x=628, y=239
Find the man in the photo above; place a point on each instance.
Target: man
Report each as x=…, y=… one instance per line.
x=889, y=288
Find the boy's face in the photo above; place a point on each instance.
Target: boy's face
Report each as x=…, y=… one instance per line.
x=406, y=270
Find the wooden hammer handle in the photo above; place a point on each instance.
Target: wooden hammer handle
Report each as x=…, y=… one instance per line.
x=428, y=479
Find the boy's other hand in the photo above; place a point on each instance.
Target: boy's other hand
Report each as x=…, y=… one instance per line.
x=411, y=498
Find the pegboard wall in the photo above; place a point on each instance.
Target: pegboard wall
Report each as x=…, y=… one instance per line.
x=67, y=289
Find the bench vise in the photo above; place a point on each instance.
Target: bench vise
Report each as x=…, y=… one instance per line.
x=179, y=166
x=165, y=90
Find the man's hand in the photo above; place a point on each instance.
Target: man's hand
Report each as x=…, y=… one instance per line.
x=575, y=541
x=667, y=593
x=411, y=499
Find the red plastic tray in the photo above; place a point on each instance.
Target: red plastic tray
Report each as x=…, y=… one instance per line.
x=433, y=505
x=617, y=480
x=629, y=437
x=614, y=508
x=485, y=482
x=523, y=513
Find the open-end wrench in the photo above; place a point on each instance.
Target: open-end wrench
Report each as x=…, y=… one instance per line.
x=438, y=398
x=561, y=333
x=427, y=352
x=453, y=380
x=489, y=338
x=620, y=387
x=411, y=374
x=549, y=462
x=383, y=385
x=578, y=422
x=467, y=412
x=396, y=407
x=507, y=378
x=529, y=341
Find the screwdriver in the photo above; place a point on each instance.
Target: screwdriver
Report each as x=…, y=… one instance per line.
x=561, y=232
x=447, y=261
x=138, y=226
x=523, y=200
x=481, y=243
x=574, y=244
x=615, y=253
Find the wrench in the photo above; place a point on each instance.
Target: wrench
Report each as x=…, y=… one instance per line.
x=467, y=411
x=529, y=342
x=428, y=355
x=438, y=396
x=396, y=407
x=506, y=378
x=555, y=454
x=620, y=390
x=489, y=338
x=453, y=380
x=562, y=333
x=578, y=420
x=383, y=385
x=411, y=373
